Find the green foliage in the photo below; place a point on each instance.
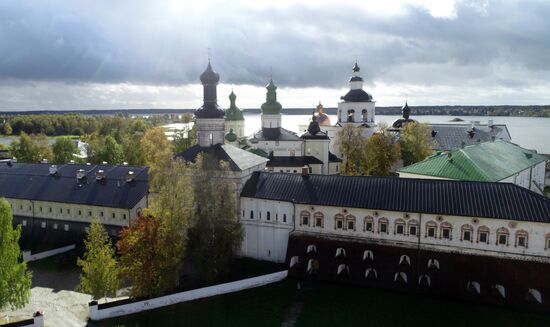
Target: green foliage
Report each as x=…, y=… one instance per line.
x=112, y=152
x=458, y=110
x=416, y=143
x=351, y=145
x=6, y=129
x=63, y=150
x=15, y=281
x=133, y=153
x=100, y=272
x=157, y=152
x=31, y=148
x=217, y=234
x=381, y=153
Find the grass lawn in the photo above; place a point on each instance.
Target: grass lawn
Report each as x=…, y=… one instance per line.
x=330, y=305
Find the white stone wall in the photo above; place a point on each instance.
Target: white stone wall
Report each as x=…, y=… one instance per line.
x=265, y=229
x=315, y=169
x=271, y=121
x=318, y=149
x=75, y=212
x=358, y=107
x=280, y=148
x=236, y=125
x=210, y=131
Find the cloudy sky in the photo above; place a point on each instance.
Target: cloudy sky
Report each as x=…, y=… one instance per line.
x=104, y=54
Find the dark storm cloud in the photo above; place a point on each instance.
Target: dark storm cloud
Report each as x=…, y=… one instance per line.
x=136, y=42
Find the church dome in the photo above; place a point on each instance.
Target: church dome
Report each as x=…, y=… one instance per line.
x=233, y=113
x=357, y=95
x=231, y=136
x=406, y=111
x=271, y=106
x=209, y=76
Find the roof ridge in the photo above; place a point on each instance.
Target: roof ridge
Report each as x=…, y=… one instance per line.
x=488, y=179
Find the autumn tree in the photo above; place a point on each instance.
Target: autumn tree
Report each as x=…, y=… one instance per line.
x=216, y=233
x=15, y=281
x=381, y=153
x=100, y=272
x=6, y=128
x=184, y=138
x=63, y=150
x=152, y=249
x=32, y=148
x=112, y=152
x=157, y=152
x=133, y=153
x=416, y=142
x=351, y=145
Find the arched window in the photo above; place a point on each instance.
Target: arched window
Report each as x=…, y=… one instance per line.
x=522, y=238
x=340, y=252
x=405, y=260
x=500, y=290
x=473, y=287
x=424, y=280
x=371, y=273
x=368, y=255
x=399, y=227
x=413, y=227
x=268, y=217
x=446, y=231
x=343, y=269
x=431, y=229
x=533, y=295
x=350, y=222
x=251, y=214
x=364, y=114
x=304, y=218
x=311, y=248
x=383, y=226
x=338, y=221
x=433, y=263
x=368, y=224
x=400, y=277
x=483, y=234
x=502, y=236
x=351, y=116
x=319, y=220
x=466, y=233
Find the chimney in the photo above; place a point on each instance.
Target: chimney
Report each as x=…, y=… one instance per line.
x=450, y=157
x=100, y=175
x=80, y=174
x=471, y=133
x=434, y=133
x=130, y=176
x=305, y=171
x=53, y=170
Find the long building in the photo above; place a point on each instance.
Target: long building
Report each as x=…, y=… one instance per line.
x=452, y=238
x=56, y=203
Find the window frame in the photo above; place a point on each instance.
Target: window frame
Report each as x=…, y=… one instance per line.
x=368, y=220
x=503, y=232
x=522, y=234
x=431, y=225
x=399, y=223
x=383, y=222
x=318, y=216
x=351, y=219
x=305, y=216
x=339, y=218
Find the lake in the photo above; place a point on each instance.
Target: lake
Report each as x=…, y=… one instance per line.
x=528, y=132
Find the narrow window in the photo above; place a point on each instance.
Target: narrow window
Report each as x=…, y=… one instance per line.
x=79, y=212
x=89, y=213
x=522, y=238
x=268, y=215
x=446, y=233
x=114, y=215
x=431, y=231
x=124, y=216
x=368, y=224
x=284, y=218
x=502, y=239
x=304, y=218
x=483, y=237
x=351, y=225
x=319, y=219
x=101, y=213
x=412, y=230
x=68, y=211
x=467, y=235
x=502, y=236
x=251, y=214
x=339, y=221
x=50, y=209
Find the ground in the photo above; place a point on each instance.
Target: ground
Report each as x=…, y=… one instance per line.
x=328, y=305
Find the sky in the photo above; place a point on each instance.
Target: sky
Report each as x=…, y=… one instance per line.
x=104, y=54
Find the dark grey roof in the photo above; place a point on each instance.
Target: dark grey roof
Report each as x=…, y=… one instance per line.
x=34, y=182
x=444, y=197
x=356, y=79
x=293, y=161
x=357, y=95
x=238, y=159
x=454, y=136
x=269, y=134
x=333, y=158
x=5, y=154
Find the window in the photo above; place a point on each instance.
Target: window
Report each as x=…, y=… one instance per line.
x=114, y=215
x=521, y=238
x=40, y=209
x=339, y=221
x=66, y=227
x=268, y=215
x=251, y=214
x=502, y=236
x=54, y=226
x=68, y=211
x=319, y=219
x=383, y=225
x=466, y=233
x=20, y=207
x=50, y=209
x=124, y=216
x=483, y=234
x=284, y=218
x=43, y=225
x=350, y=222
x=413, y=227
x=368, y=224
x=243, y=213
x=446, y=231
x=60, y=210
x=304, y=218
x=89, y=213
x=101, y=213
x=431, y=228
x=547, y=242
x=399, y=227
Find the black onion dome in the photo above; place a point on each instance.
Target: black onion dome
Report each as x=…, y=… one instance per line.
x=357, y=95
x=209, y=76
x=209, y=110
x=356, y=67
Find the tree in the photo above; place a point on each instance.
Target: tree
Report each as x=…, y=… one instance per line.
x=184, y=138
x=416, y=143
x=351, y=145
x=381, y=153
x=15, y=281
x=63, y=150
x=6, y=128
x=100, y=272
x=32, y=148
x=216, y=234
x=157, y=151
x=133, y=154
x=112, y=152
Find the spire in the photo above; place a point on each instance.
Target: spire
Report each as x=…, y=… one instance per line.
x=406, y=110
x=356, y=68
x=271, y=106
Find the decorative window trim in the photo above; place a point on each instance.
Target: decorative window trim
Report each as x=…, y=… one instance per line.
x=480, y=230
x=519, y=234
x=466, y=228
x=412, y=223
x=431, y=225
x=503, y=231
x=402, y=223
x=381, y=222
x=318, y=216
x=367, y=220
x=350, y=219
x=445, y=226
x=339, y=218
x=547, y=242
x=305, y=218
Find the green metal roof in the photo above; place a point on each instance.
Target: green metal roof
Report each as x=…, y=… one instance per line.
x=233, y=113
x=271, y=106
x=486, y=162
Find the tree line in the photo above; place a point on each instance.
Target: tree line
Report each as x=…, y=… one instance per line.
x=504, y=110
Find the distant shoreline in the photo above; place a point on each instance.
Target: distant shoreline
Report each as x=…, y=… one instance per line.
x=501, y=110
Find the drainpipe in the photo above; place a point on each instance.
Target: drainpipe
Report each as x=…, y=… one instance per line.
x=419, y=233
